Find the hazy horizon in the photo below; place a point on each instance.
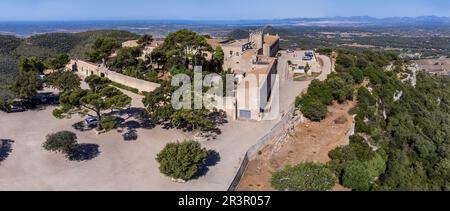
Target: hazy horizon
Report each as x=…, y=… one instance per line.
x=217, y=20
x=214, y=10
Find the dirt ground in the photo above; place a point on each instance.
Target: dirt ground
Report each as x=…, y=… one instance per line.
x=312, y=141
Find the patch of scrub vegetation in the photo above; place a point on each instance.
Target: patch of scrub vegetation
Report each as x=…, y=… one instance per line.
x=400, y=144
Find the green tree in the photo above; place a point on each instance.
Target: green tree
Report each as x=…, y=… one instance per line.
x=218, y=58
x=314, y=110
x=58, y=62
x=192, y=120
x=358, y=75
x=126, y=57
x=340, y=89
x=183, y=47
x=99, y=98
x=182, y=160
x=26, y=85
x=357, y=177
x=31, y=64
x=63, y=142
x=102, y=49
x=304, y=177
x=345, y=61
x=357, y=150
x=160, y=109
x=63, y=81
x=145, y=40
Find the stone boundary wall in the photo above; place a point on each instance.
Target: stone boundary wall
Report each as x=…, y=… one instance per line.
x=141, y=85
x=85, y=69
x=277, y=135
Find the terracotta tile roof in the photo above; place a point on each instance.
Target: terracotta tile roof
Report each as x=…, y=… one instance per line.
x=215, y=42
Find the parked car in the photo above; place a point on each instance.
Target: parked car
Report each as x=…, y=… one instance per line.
x=307, y=58
x=309, y=53
x=53, y=100
x=41, y=77
x=15, y=107
x=91, y=122
x=30, y=104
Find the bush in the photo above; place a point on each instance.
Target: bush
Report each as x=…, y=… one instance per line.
x=314, y=110
x=58, y=113
x=345, y=61
x=108, y=123
x=357, y=177
x=361, y=126
x=376, y=166
x=357, y=150
x=304, y=177
x=63, y=142
x=358, y=75
x=182, y=160
x=319, y=90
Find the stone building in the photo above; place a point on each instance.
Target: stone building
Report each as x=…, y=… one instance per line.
x=254, y=63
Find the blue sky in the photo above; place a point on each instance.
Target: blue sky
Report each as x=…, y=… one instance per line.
x=214, y=9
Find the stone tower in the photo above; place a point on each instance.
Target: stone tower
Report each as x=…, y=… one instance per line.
x=257, y=38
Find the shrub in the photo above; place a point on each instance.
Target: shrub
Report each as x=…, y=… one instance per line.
x=182, y=160
x=304, y=177
x=341, y=88
x=361, y=126
x=58, y=113
x=314, y=110
x=345, y=61
x=108, y=123
x=365, y=97
x=63, y=142
x=358, y=75
x=357, y=177
x=376, y=166
x=319, y=90
x=324, y=51
x=357, y=150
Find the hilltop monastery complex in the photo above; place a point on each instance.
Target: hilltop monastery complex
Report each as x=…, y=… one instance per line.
x=252, y=60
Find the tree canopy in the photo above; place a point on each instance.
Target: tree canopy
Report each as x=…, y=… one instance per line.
x=58, y=62
x=64, y=81
x=26, y=85
x=99, y=98
x=182, y=160
x=102, y=49
x=182, y=47
x=63, y=142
